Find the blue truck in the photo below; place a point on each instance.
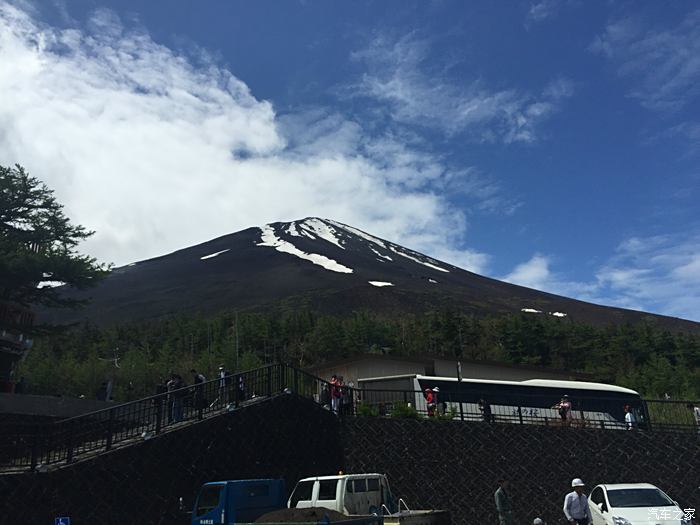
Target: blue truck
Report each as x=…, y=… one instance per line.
x=238, y=501
x=364, y=499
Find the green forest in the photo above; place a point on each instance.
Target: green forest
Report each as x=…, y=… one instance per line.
x=135, y=356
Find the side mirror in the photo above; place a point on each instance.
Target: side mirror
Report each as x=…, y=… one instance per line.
x=601, y=507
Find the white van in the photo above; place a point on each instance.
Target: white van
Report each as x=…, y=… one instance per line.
x=349, y=494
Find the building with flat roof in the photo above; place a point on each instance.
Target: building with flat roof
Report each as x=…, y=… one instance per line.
x=375, y=365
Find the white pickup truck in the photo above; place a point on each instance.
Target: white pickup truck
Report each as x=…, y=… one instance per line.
x=361, y=494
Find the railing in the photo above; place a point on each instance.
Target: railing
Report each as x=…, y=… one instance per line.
x=39, y=445
x=36, y=446
x=587, y=412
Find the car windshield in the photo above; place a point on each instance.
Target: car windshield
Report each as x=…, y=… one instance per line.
x=638, y=498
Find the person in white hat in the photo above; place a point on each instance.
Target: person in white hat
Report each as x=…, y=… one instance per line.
x=439, y=405
x=576, y=504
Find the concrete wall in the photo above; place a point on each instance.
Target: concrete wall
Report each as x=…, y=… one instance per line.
x=49, y=406
x=456, y=466
x=430, y=463
x=288, y=437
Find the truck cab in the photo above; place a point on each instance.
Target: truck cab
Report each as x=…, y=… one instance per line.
x=349, y=494
x=239, y=501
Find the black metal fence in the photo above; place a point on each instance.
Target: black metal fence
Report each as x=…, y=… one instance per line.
x=37, y=445
x=586, y=412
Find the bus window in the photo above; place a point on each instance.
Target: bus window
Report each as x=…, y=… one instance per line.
x=372, y=484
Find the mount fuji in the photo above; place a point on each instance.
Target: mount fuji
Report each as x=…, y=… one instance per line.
x=326, y=266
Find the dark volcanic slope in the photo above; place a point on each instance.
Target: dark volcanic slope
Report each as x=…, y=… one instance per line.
x=324, y=265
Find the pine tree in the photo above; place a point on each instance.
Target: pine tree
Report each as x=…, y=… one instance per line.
x=38, y=245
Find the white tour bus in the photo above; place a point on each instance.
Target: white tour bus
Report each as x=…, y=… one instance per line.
x=530, y=401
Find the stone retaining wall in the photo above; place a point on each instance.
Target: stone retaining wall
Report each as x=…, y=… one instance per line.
x=431, y=464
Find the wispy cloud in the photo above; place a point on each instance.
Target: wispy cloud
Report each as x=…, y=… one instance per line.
x=542, y=10
x=158, y=150
x=401, y=75
x=662, y=64
x=657, y=274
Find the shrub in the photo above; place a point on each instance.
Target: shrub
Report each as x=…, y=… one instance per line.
x=365, y=410
x=404, y=410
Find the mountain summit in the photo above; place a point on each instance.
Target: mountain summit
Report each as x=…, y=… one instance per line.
x=326, y=266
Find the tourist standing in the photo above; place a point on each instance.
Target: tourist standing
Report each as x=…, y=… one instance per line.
x=564, y=409
x=198, y=381
x=576, y=504
x=485, y=409
x=429, y=401
x=176, y=394
x=630, y=418
x=503, y=504
x=240, y=390
x=334, y=389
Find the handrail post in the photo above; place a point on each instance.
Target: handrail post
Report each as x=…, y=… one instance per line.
x=520, y=415
x=159, y=414
x=35, y=447
x=110, y=429
x=269, y=381
x=69, y=453
x=199, y=400
x=236, y=382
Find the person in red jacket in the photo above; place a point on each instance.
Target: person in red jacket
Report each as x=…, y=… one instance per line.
x=430, y=401
x=334, y=387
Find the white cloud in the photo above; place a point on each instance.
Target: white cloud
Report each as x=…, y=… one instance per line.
x=542, y=10
x=534, y=273
x=156, y=153
x=658, y=274
x=402, y=75
x=662, y=64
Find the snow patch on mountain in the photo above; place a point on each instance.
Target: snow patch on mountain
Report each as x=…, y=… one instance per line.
x=213, y=254
x=50, y=284
x=402, y=254
x=357, y=232
x=269, y=238
x=432, y=281
x=322, y=230
x=559, y=314
x=306, y=233
x=380, y=255
x=530, y=311
x=292, y=230
x=380, y=283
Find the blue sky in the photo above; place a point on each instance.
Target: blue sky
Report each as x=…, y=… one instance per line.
x=555, y=144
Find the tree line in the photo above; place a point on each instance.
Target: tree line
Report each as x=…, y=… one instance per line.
x=136, y=356
x=39, y=247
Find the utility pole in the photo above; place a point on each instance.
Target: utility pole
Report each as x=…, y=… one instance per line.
x=237, y=341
